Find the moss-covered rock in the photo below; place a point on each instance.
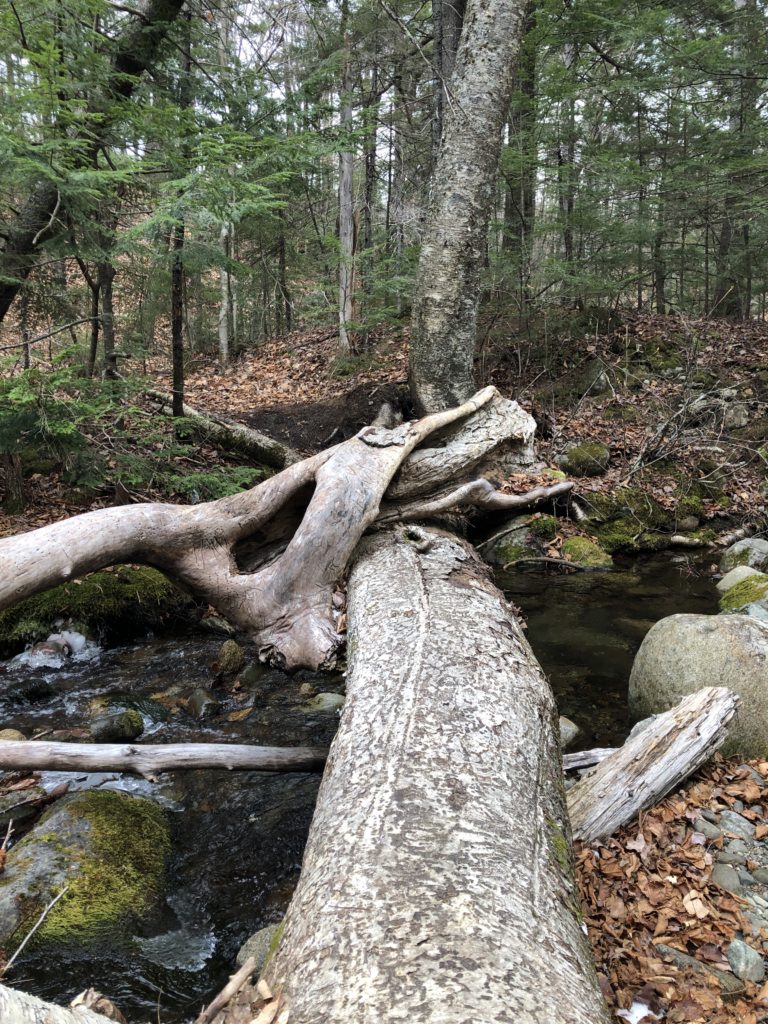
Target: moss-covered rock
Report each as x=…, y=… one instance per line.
x=116, y=605
x=543, y=528
x=590, y=458
x=511, y=542
x=628, y=519
x=752, y=590
x=751, y=551
x=231, y=658
x=585, y=552
x=109, y=850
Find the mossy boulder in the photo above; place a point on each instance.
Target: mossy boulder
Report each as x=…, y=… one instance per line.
x=511, y=541
x=110, y=851
x=586, y=553
x=628, y=519
x=115, y=605
x=117, y=726
x=750, y=595
x=588, y=458
x=543, y=528
x=231, y=658
x=683, y=653
x=752, y=551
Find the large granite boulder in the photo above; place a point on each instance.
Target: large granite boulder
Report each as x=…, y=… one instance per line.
x=683, y=653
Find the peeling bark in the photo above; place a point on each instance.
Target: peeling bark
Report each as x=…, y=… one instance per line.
x=437, y=883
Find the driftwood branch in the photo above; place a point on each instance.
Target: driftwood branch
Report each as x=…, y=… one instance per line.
x=162, y=757
x=651, y=764
x=230, y=990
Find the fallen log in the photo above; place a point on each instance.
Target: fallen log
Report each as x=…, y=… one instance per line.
x=437, y=881
x=230, y=435
x=20, y=1008
x=38, y=755
x=651, y=764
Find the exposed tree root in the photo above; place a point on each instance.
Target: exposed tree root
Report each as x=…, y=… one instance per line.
x=269, y=558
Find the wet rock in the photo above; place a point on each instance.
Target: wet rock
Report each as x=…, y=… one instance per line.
x=732, y=822
x=215, y=624
x=512, y=541
x=588, y=458
x=307, y=690
x=752, y=552
x=569, y=732
x=736, y=575
x=11, y=734
x=324, y=702
x=109, y=849
x=726, y=876
x=746, y=963
x=683, y=653
x=118, y=727
x=20, y=806
x=231, y=658
x=260, y=946
x=30, y=690
x=761, y=875
x=202, y=704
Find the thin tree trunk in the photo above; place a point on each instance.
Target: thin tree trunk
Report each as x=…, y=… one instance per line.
x=24, y=318
x=463, y=187
x=15, y=498
x=224, y=300
x=177, y=319
x=106, y=278
x=346, y=200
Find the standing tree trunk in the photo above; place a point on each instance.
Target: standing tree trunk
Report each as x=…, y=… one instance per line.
x=447, y=21
x=106, y=277
x=225, y=297
x=448, y=278
x=177, y=318
x=346, y=198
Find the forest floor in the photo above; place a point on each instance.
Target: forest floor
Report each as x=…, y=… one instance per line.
x=682, y=407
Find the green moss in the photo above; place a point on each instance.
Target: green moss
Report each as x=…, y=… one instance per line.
x=587, y=459
x=583, y=551
x=628, y=535
x=117, y=603
x=118, y=879
x=690, y=505
x=274, y=942
x=543, y=527
x=755, y=588
x=511, y=551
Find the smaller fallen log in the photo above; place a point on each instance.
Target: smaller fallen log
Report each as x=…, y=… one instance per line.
x=36, y=755
x=232, y=436
x=586, y=758
x=651, y=764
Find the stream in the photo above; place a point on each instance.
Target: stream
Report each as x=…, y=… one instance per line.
x=238, y=837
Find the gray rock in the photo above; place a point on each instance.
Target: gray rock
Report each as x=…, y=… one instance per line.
x=761, y=875
x=736, y=575
x=732, y=822
x=684, y=653
x=745, y=877
x=257, y=946
x=119, y=727
x=727, y=981
x=726, y=877
x=689, y=523
x=746, y=963
x=20, y=806
x=569, y=732
x=231, y=658
x=752, y=551
x=642, y=724
x=324, y=702
x=30, y=690
x=585, y=458
x=215, y=624
x=202, y=704
x=734, y=852
x=511, y=541
x=707, y=828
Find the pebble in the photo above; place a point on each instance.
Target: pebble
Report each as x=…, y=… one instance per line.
x=761, y=876
x=734, y=852
x=725, y=876
x=746, y=963
x=202, y=704
x=734, y=823
x=707, y=828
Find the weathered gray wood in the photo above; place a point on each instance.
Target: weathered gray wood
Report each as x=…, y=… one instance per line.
x=437, y=883
x=651, y=764
x=40, y=755
x=585, y=758
x=309, y=519
x=20, y=1008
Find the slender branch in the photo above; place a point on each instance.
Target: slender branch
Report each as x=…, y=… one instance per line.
x=49, y=225
x=33, y=929
x=230, y=990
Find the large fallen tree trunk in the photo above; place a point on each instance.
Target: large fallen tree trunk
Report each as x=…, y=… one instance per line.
x=268, y=559
x=19, y=1008
x=152, y=759
x=437, y=882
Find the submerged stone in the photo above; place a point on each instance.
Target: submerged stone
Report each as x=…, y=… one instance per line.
x=118, y=727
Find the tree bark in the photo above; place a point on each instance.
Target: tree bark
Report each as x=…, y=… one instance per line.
x=448, y=279
x=437, y=885
x=37, y=755
x=19, y=1008
x=346, y=200
x=651, y=764
x=135, y=50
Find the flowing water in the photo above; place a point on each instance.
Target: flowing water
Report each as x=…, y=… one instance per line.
x=238, y=837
